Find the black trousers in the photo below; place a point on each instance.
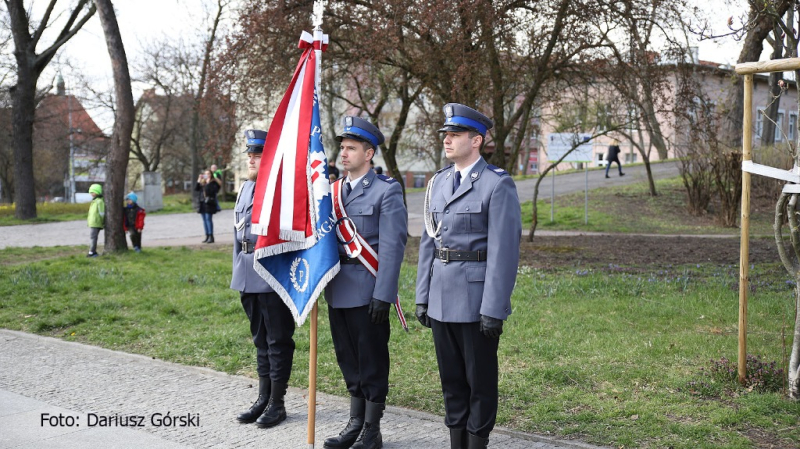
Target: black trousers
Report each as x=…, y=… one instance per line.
x=136, y=238
x=272, y=327
x=468, y=370
x=362, y=351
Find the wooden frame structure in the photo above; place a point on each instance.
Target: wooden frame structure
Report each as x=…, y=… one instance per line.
x=749, y=69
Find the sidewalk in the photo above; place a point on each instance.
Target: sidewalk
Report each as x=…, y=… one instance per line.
x=68, y=395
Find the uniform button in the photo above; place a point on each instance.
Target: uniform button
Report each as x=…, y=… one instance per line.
x=447, y=211
x=359, y=211
x=445, y=228
x=467, y=208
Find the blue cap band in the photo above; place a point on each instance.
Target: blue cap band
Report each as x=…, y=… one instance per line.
x=458, y=120
x=362, y=133
x=251, y=142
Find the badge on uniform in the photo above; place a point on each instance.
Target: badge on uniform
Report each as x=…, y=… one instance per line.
x=365, y=182
x=474, y=175
x=448, y=111
x=448, y=175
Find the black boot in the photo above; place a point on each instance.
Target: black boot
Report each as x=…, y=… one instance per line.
x=275, y=411
x=206, y=240
x=258, y=407
x=370, y=437
x=348, y=436
x=458, y=438
x=476, y=442
x=210, y=238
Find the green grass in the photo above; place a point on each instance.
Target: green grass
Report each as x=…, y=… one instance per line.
x=604, y=354
x=631, y=209
x=56, y=212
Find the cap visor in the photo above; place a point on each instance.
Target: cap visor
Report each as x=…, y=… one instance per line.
x=343, y=136
x=455, y=129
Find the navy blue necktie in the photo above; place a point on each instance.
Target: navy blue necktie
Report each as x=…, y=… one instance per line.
x=457, y=181
x=347, y=189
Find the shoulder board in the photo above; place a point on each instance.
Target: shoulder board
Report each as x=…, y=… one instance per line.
x=498, y=170
x=386, y=178
x=445, y=168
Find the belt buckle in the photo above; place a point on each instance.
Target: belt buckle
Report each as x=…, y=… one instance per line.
x=446, y=255
x=246, y=247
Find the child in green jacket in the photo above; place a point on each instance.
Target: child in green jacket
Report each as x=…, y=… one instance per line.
x=96, y=218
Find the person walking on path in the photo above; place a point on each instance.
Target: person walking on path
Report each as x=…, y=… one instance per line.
x=271, y=322
x=133, y=221
x=208, y=202
x=358, y=300
x=468, y=259
x=96, y=219
x=613, y=156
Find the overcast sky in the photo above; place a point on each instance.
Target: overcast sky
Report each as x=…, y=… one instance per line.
x=146, y=20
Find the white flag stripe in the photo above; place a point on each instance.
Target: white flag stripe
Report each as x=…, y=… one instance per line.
x=288, y=148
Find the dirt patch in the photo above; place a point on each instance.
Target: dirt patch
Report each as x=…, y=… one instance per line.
x=632, y=250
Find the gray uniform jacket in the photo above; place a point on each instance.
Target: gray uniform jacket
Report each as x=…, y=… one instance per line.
x=482, y=215
x=376, y=207
x=245, y=279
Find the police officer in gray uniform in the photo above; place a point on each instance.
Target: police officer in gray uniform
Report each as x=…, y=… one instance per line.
x=271, y=322
x=358, y=302
x=468, y=258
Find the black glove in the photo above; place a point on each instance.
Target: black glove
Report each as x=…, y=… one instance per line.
x=491, y=327
x=378, y=310
x=422, y=315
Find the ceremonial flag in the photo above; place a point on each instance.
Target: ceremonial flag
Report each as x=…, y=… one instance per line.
x=292, y=210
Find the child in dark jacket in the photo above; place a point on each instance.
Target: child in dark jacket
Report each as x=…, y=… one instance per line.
x=133, y=221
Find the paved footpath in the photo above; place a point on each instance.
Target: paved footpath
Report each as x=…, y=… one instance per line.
x=187, y=229
x=44, y=380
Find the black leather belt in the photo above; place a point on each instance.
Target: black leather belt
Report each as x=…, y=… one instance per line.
x=451, y=255
x=348, y=261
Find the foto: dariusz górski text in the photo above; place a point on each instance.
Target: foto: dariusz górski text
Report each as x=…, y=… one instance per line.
x=116, y=420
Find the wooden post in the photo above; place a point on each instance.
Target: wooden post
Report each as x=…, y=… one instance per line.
x=744, y=255
x=312, y=377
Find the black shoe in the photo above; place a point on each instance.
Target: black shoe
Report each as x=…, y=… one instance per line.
x=476, y=442
x=608, y=176
x=92, y=254
x=458, y=438
x=622, y=174
x=370, y=437
x=210, y=238
x=206, y=240
x=252, y=414
x=348, y=436
x=275, y=412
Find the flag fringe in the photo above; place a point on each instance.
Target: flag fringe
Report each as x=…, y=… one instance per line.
x=285, y=247
x=299, y=318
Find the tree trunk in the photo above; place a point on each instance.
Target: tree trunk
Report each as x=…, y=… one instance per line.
x=23, y=112
x=751, y=51
x=117, y=163
x=794, y=360
x=29, y=67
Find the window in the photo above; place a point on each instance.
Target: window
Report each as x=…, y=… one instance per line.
x=779, y=127
x=759, y=121
x=419, y=180
x=792, y=126
x=630, y=158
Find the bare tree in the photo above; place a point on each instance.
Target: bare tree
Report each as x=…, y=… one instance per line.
x=117, y=164
x=30, y=65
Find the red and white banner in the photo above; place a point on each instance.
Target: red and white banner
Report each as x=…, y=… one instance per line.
x=284, y=210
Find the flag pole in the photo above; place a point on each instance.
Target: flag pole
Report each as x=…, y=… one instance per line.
x=319, y=8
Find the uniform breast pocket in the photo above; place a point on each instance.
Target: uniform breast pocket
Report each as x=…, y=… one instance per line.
x=239, y=211
x=365, y=219
x=470, y=216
